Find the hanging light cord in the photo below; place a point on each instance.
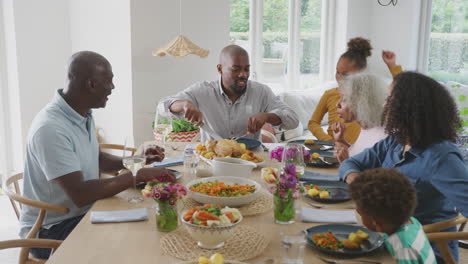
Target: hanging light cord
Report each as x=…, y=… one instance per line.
x=393, y=2
x=180, y=17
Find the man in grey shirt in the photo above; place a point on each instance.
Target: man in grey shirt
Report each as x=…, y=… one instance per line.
x=63, y=159
x=232, y=106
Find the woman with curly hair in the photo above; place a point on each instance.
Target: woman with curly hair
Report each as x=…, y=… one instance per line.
x=353, y=60
x=362, y=101
x=421, y=121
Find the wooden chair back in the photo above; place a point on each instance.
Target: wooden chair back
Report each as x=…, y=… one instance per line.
x=31, y=243
x=459, y=220
x=16, y=205
x=116, y=147
x=15, y=196
x=441, y=239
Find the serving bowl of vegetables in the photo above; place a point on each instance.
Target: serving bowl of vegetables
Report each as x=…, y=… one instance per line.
x=223, y=190
x=211, y=225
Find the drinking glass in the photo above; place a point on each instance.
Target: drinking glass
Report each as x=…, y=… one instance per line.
x=292, y=248
x=133, y=162
x=162, y=123
x=294, y=154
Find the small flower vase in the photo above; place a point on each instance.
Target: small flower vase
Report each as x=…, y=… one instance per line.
x=166, y=217
x=285, y=211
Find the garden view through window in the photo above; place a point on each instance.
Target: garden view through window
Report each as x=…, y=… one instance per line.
x=448, y=48
x=275, y=40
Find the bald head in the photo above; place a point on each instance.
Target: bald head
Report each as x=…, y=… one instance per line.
x=89, y=80
x=85, y=65
x=231, y=51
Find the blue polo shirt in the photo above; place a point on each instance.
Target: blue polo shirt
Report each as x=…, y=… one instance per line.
x=60, y=141
x=438, y=173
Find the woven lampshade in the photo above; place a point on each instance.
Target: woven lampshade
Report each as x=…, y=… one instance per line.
x=181, y=47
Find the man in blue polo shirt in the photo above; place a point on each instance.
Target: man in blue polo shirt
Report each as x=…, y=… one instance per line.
x=63, y=159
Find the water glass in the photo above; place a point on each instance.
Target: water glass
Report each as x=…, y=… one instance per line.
x=190, y=160
x=292, y=248
x=294, y=154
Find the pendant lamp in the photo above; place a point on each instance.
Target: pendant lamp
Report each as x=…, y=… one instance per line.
x=181, y=46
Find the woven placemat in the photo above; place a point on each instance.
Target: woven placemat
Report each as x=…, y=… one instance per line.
x=245, y=243
x=262, y=204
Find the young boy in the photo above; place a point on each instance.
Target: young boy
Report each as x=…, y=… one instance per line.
x=386, y=199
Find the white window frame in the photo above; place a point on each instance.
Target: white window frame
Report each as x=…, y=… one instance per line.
x=294, y=24
x=425, y=24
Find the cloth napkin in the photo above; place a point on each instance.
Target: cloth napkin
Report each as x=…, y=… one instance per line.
x=327, y=216
x=131, y=215
x=309, y=175
x=169, y=162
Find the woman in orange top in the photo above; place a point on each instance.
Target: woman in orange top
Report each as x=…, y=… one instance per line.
x=353, y=60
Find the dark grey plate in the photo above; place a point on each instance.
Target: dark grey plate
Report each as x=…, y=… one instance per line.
x=317, y=144
x=249, y=143
x=374, y=242
x=337, y=195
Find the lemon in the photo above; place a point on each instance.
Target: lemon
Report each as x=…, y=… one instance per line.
x=315, y=155
x=243, y=146
x=312, y=192
x=217, y=258
x=203, y=260
x=324, y=194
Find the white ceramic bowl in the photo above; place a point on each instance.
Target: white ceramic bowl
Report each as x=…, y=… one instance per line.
x=232, y=167
x=224, y=201
x=209, y=237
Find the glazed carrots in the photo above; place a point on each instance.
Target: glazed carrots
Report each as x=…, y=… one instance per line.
x=212, y=215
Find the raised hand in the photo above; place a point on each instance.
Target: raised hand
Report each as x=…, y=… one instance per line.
x=389, y=58
x=256, y=122
x=338, y=131
x=192, y=113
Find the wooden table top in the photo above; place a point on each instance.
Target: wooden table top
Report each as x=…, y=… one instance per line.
x=138, y=242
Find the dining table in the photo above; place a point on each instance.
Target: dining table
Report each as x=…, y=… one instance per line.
x=139, y=242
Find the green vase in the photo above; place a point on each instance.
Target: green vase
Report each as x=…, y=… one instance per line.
x=285, y=211
x=166, y=217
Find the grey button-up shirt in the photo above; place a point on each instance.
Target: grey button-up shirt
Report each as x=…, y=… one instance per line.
x=229, y=119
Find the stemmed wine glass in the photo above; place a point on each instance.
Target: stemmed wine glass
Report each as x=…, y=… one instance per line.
x=162, y=123
x=133, y=162
x=294, y=154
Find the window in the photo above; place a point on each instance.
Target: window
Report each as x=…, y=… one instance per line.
x=448, y=47
x=283, y=40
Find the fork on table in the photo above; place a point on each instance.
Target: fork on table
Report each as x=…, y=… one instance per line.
x=348, y=261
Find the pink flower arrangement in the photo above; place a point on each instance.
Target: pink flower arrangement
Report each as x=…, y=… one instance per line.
x=164, y=192
x=287, y=183
x=277, y=153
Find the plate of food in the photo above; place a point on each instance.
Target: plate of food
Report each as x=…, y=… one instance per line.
x=249, y=143
x=216, y=258
x=327, y=194
x=322, y=159
x=226, y=148
x=223, y=190
x=177, y=174
x=343, y=240
x=313, y=144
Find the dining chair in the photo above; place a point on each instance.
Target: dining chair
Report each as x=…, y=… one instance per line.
x=438, y=226
x=31, y=243
x=441, y=239
x=14, y=194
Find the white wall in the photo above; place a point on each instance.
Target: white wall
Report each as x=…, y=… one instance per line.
x=37, y=42
x=154, y=24
x=104, y=27
x=388, y=27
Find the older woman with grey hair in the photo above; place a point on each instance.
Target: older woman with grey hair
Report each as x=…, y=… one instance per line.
x=362, y=101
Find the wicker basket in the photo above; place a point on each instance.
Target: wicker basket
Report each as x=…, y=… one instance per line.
x=191, y=136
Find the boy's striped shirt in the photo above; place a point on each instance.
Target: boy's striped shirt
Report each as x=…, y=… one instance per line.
x=409, y=245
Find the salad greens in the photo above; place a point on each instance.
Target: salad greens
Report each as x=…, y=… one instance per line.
x=179, y=125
